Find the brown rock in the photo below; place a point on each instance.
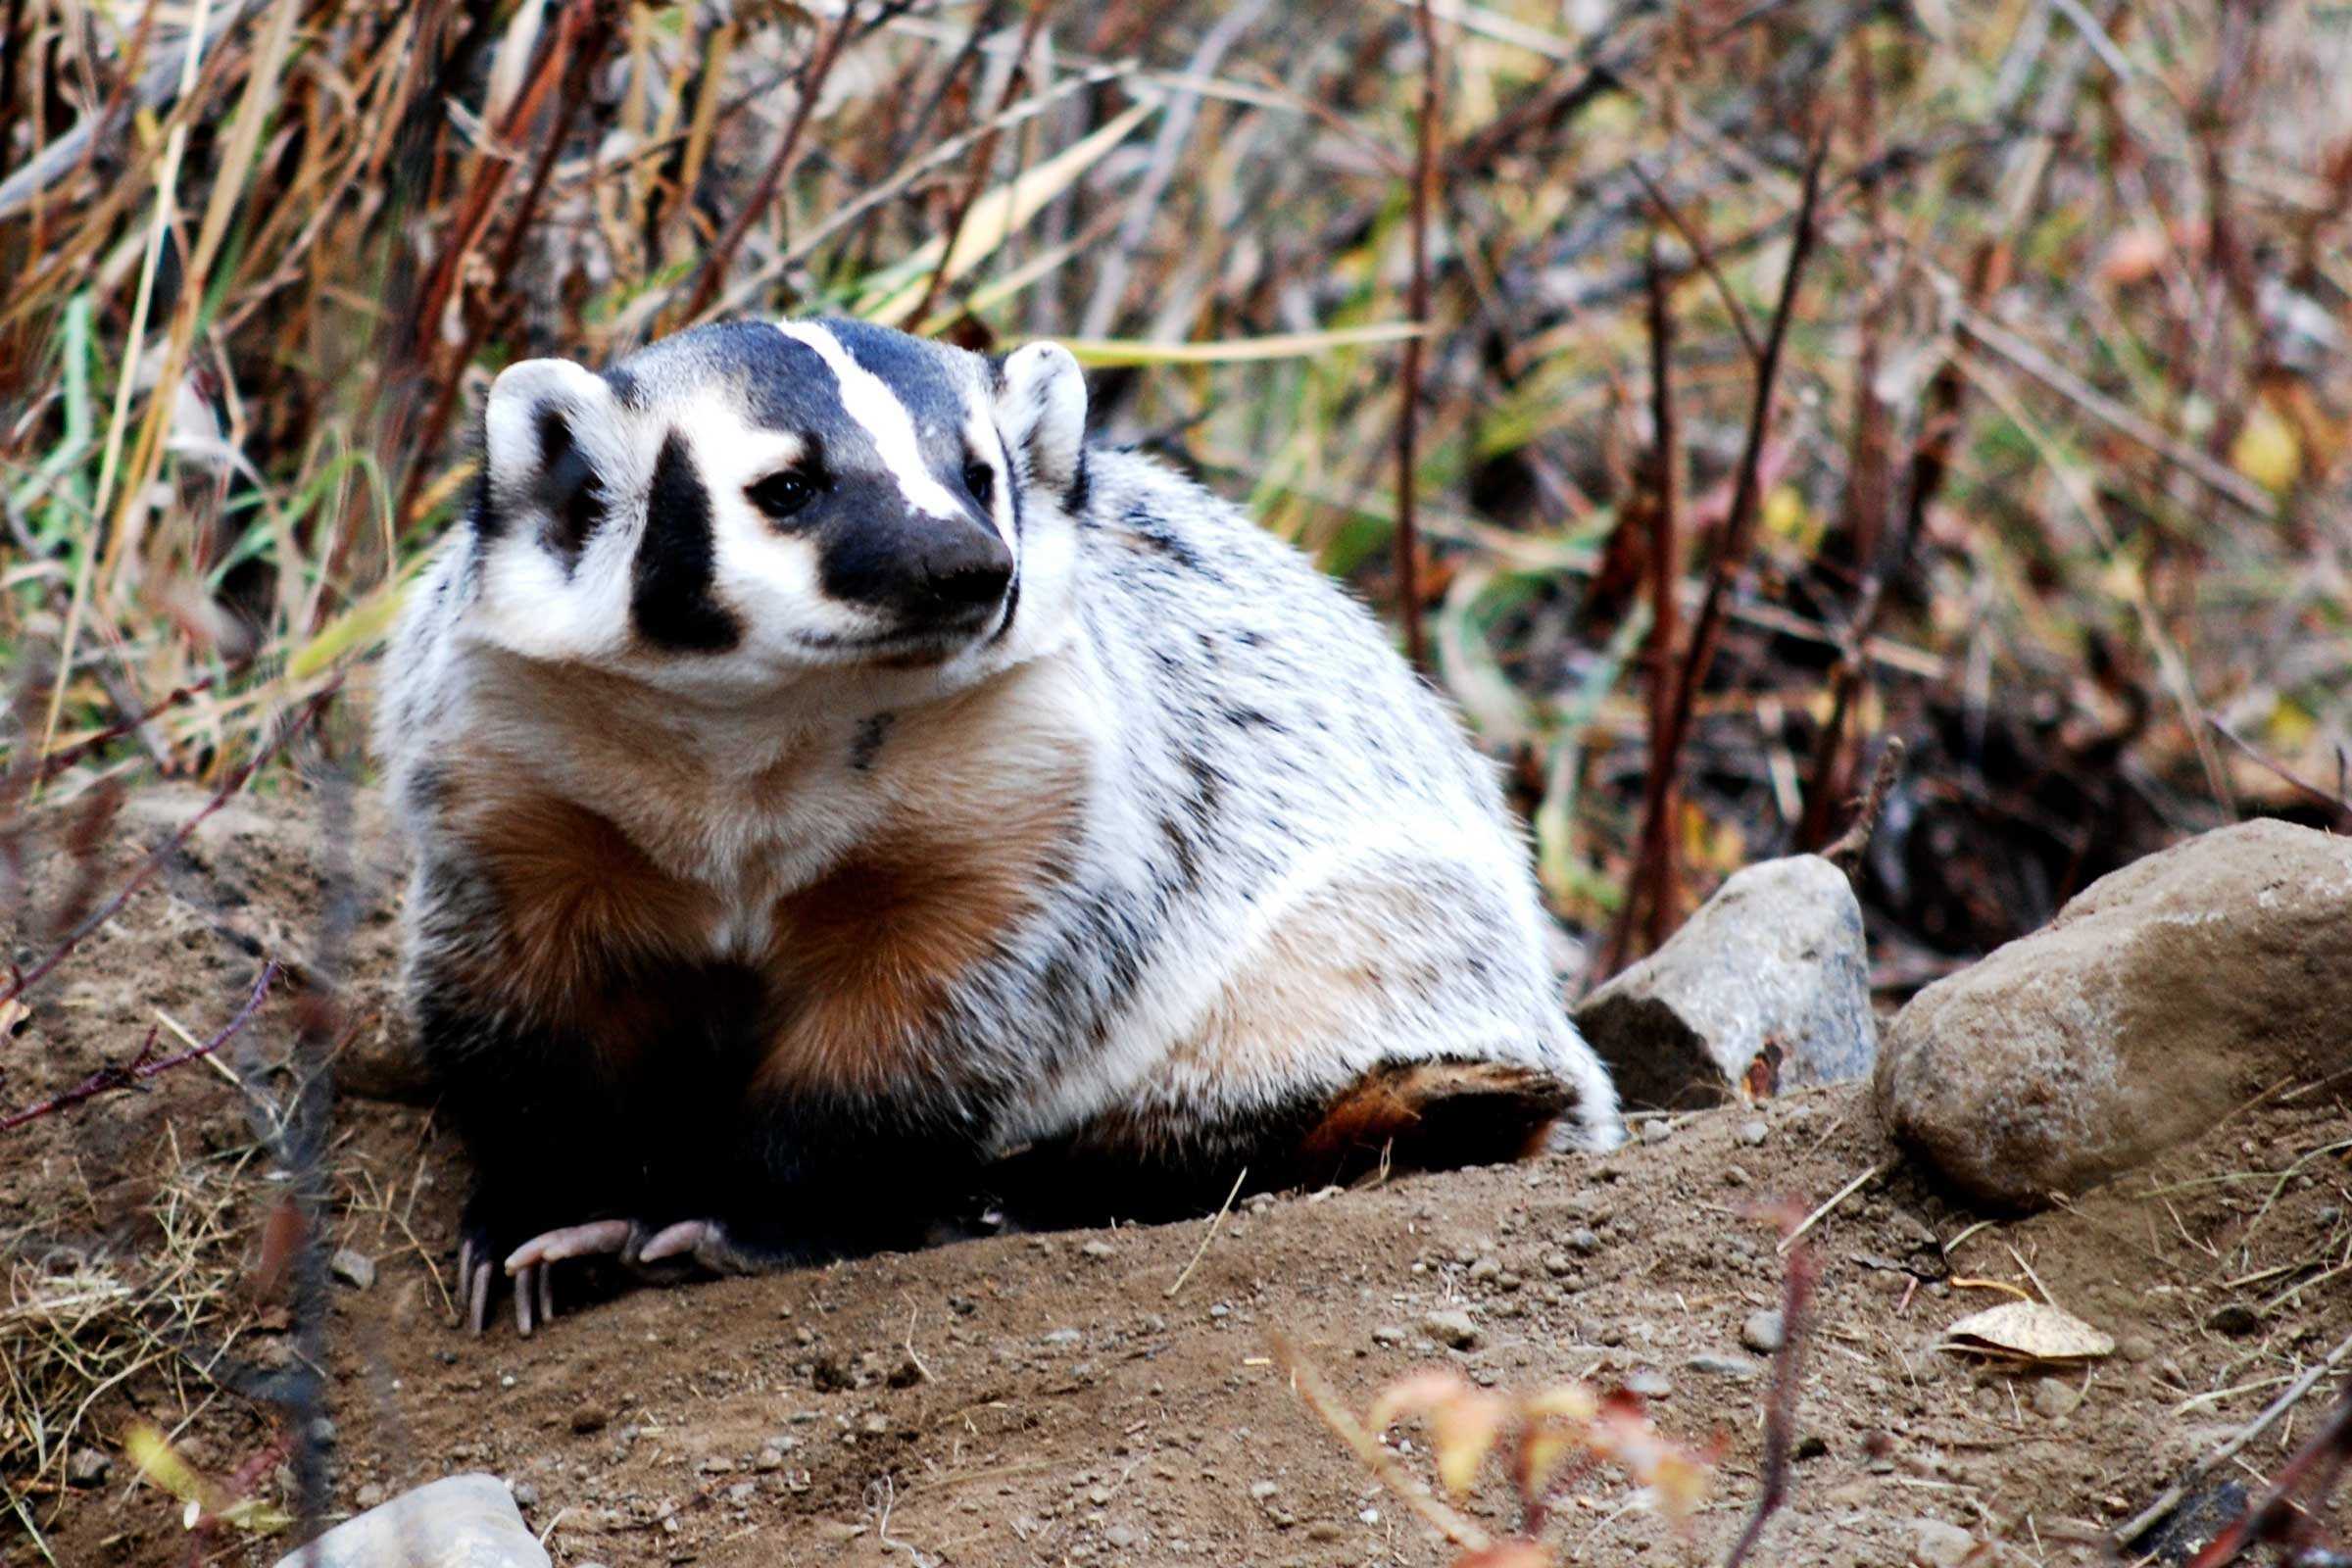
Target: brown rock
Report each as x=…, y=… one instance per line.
x=2151, y=1004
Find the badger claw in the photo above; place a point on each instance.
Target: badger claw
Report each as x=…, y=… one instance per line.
x=686, y=1236
x=596, y=1237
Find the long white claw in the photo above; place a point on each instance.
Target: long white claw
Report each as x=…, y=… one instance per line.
x=569, y=1241
x=547, y=1294
x=478, y=1300
x=683, y=1237
x=524, y=1297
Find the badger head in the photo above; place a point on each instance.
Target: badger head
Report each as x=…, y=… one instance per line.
x=749, y=502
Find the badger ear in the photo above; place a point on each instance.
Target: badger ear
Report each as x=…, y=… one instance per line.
x=1041, y=409
x=551, y=435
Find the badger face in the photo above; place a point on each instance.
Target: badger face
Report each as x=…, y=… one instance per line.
x=747, y=502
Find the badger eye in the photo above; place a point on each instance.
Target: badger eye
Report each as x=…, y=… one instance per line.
x=781, y=495
x=980, y=480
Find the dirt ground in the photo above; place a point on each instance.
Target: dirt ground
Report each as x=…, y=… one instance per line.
x=1109, y=1395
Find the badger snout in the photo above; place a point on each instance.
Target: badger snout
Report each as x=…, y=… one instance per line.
x=965, y=578
x=928, y=574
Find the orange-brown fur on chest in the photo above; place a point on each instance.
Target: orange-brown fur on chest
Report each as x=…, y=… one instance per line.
x=856, y=965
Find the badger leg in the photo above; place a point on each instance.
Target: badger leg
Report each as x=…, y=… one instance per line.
x=1398, y=1016
x=1434, y=1115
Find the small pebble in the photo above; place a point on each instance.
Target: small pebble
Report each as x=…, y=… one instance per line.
x=1119, y=1536
x=1650, y=1384
x=1584, y=1239
x=589, y=1418
x=1656, y=1132
x=1729, y=1366
x=1324, y=1530
x=1262, y=1489
x=716, y=1465
x=1938, y=1544
x=2054, y=1397
x=1763, y=1331
x=1388, y=1333
x=87, y=1467
x=1453, y=1329
x=2136, y=1347
x=525, y=1494
x=370, y=1496
x=1485, y=1270
x=1558, y=1265
x=354, y=1268
x=1063, y=1339
x=876, y=1424
x=1753, y=1132
x=1099, y=1495
x=1097, y=1249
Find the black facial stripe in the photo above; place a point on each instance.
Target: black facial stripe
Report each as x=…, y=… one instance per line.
x=669, y=599
x=569, y=491
x=1012, y=607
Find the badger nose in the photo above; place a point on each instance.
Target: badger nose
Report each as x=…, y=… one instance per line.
x=970, y=574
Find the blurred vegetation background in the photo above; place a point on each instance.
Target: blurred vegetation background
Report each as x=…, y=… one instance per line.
x=2024, y=441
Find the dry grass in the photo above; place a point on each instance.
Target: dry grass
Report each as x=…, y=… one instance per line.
x=80, y=1324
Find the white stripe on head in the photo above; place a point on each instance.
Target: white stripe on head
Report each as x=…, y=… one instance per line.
x=867, y=399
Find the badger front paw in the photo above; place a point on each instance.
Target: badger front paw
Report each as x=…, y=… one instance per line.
x=499, y=1238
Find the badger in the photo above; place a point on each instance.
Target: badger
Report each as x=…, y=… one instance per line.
x=835, y=787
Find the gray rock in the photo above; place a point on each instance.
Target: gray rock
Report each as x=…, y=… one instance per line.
x=1940, y=1546
x=1452, y=1328
x=458, y=1522
x=1765, y=988
x=1762, y=1332
x=1650, y=1384
x=353, y=1267
x=2158, y=999
x=2054, y=1397
x=87, y=1467
x=1722, y=1366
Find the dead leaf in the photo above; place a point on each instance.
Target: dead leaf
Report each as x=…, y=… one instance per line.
x=2028, y=1330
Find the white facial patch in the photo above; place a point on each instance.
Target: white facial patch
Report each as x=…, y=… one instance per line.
x=981, y=435
x=867, y=399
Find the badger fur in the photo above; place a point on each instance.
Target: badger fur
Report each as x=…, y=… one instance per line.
x=832, y=782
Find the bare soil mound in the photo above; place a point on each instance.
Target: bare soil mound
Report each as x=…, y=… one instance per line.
x=1089, y=1395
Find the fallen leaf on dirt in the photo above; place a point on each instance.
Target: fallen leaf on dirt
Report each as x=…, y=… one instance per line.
x=2028, y=1330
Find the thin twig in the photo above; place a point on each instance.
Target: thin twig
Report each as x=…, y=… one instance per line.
x=145, y=1064
x=1216, y=1221
x=1846, y=852
x=1780, y=1412
x=1322, y=1398
x=1731, y=561
x=1829, y=1207
x=1408, y=418
x=2280, y=769
x=715, y=267
x=2170, y=1498
x=983, y=158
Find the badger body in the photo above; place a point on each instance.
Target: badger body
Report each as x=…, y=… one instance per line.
x=832, y=783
